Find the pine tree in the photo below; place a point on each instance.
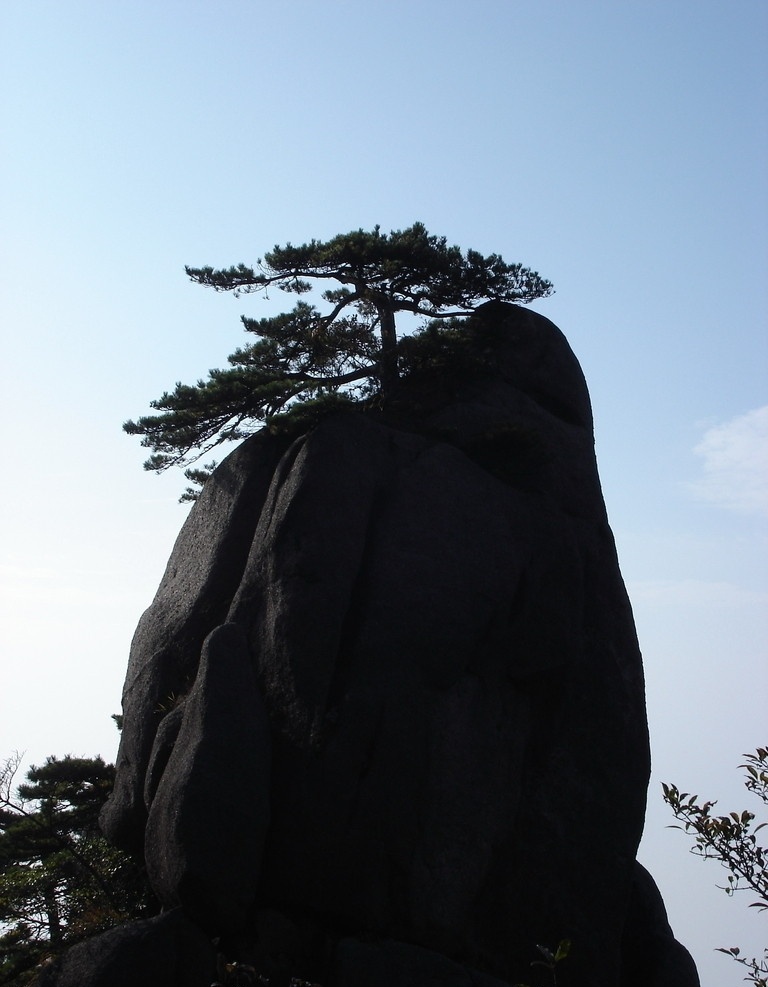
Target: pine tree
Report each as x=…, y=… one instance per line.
x=59, y=878
x=350, y=350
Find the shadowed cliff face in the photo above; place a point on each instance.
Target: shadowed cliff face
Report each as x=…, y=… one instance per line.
x=408, y=696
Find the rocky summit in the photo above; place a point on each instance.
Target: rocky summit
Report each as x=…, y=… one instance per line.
x=384, y=722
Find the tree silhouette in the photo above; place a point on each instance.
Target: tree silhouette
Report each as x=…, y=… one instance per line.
x=351, y=347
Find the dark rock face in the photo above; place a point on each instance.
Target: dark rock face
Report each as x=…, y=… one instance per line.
x=398, y=964
x=650, y=953
x=193, y=598
x=423, y=718
x=209, y=815
x=166, y=951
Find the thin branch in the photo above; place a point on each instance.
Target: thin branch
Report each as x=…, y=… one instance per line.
x=332, y=316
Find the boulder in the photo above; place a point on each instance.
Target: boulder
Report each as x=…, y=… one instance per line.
x=650, y=952
x=443, y=649
x=165, y=951
x=193, y=598
x=209, y=816
x=399, y=964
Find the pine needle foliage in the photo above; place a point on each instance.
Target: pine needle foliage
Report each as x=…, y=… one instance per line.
x=350, y=346
x=60, y=881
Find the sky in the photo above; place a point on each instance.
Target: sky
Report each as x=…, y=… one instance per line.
x=620, y=149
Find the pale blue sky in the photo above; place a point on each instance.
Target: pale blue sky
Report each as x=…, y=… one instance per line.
x=619, y=148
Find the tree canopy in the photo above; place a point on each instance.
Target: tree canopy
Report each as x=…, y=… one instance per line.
x=351, y=346
x=59, y=878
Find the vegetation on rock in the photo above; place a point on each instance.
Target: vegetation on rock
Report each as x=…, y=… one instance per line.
x=550, y=959
x=350, y=350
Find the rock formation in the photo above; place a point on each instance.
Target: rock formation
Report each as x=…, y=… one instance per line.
x=384, y=722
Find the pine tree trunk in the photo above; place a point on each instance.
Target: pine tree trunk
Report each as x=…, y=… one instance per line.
x=54, y=916
x=388, y=334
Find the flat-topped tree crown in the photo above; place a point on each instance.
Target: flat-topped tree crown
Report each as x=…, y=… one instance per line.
x=307, y=352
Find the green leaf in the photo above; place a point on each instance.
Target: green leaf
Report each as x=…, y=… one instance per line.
x=563, y=949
